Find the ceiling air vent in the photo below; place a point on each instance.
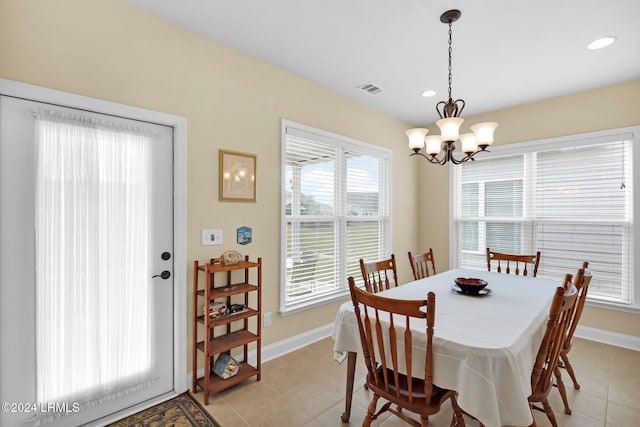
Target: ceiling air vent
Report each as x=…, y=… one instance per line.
x=370, y=88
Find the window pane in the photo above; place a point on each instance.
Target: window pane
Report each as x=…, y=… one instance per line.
x=310, y=259
x=504, y=237
x=363, y=185
x=583, y=182
x=470, y=200
x=364, y=240
x=469, y=236
x=503, y=199
x=310, y=178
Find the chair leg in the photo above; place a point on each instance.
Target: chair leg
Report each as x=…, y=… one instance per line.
x=562, y=390
x=569, y=368
x=549, y=411
x=371, y=411
x=457, y=420
x=424, y=421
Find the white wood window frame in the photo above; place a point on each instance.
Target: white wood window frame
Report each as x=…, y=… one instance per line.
x=340, y=218
x=633, y=133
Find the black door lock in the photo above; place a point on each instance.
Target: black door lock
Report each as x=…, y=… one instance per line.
x=165, y=275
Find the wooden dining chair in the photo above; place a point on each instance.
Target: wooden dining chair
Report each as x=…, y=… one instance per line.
x=582, y=281
x=515, y=260
x=546, y=361
x=422, y=265
x=390, y=349
x=379, y=275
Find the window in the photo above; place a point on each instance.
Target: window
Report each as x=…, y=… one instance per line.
x=570, y=198
x=335, y=210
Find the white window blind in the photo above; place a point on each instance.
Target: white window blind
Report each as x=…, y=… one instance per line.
x=572, y=200
x=336, y=210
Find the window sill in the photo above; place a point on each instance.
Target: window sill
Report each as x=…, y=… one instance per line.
x=306, y=305
x=613, y=306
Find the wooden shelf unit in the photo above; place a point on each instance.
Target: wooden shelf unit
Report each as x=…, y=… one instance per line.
x=236, y=329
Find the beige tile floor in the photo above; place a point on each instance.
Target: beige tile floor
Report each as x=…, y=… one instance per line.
x=306, y=388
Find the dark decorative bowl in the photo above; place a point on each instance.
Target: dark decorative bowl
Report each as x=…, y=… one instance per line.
x=470, y=285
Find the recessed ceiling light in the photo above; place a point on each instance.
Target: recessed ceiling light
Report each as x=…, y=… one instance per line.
x=428, y=93
x=601, y=42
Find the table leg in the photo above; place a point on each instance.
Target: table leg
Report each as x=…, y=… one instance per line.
x=351, y=372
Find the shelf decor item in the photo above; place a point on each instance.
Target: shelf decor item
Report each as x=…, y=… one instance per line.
x=226, y=366
x=216, y=309
x=237, y=176
x=230, y=257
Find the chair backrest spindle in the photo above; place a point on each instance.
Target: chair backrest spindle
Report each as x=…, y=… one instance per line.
x=517, y=260
x=422, y=265
x=379, y=275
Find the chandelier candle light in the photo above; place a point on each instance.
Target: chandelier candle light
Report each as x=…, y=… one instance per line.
x=449, y=124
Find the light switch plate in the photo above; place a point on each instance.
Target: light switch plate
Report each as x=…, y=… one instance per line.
x=212, y=237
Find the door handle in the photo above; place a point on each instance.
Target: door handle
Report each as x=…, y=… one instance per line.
x=165, y=275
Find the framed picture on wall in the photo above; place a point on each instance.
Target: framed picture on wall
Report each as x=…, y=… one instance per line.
x=237, y=176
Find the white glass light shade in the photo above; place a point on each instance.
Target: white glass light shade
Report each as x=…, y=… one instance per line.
x=416, y=137
x=469, y=144
x=484, y=132
x=434, y=144
x=450, y=128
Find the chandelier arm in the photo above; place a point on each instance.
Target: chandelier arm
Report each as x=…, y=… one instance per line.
x=467, y=157
x=462, y=106
x=460, y=161
x=430, y=158
x=456, y=161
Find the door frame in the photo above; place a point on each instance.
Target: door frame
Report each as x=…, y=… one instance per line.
x=179, y=125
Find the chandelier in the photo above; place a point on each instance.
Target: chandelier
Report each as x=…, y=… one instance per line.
x=449, y=124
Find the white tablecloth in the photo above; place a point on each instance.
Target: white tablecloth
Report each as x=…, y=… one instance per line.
x=484, y=346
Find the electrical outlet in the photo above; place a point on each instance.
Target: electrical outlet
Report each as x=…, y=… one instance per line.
x=267, y=319
x=212, y=237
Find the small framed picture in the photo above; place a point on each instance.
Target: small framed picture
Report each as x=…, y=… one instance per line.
x=244, y=235
x=237, y=176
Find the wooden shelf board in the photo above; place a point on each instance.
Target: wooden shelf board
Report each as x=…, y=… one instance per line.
x=217, y=384
x=229, y=341
x=216, y=268
x=234, y=289
x=233, y=317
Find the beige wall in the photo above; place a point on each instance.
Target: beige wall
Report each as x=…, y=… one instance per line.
x=113, y=51
x=606, y=108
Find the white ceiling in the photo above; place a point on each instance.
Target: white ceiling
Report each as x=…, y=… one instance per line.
x=505, y=53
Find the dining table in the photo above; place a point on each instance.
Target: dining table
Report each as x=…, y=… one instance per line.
x=484, y=345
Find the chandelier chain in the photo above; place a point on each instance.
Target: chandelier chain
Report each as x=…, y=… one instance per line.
x=450, y=51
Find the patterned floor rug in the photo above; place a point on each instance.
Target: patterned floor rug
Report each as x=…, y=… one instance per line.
x=181, y=411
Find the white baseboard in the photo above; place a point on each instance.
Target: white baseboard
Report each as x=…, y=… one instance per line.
x=607, y=337
x=280, y=348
